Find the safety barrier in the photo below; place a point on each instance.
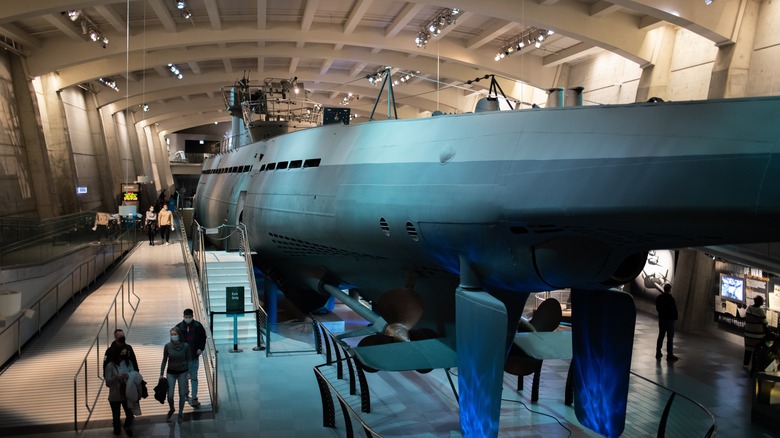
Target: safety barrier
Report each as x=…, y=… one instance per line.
x=336, y=355
x=93, y=381
x=649, y=403
x=210, y=362
x=81, y=278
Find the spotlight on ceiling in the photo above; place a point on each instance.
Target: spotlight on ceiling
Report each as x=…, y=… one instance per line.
x=531, y=37
x=436, y=25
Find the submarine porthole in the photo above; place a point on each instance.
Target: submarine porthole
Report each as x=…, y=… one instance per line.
x=383, y=225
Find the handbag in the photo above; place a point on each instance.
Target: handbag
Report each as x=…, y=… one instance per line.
x=144, y=390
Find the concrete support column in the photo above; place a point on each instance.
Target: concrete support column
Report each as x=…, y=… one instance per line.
x=60, y=155
x=34, y=143
x=109, y=193
x=730, y=72
x=654, y=81
x=693, y=290
x=112, y=151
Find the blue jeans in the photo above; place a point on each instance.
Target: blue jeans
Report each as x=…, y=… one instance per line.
x=194, y=377
x=183, y=389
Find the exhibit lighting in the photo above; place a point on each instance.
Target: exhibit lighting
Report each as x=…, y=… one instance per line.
x=433, y=28
x=401, y=77
x=181, y=5
x=175, y=71
x=88, y=26
x=110, y=83
x=707, y=2
x=532, y=36
x=349, y=97
x=145, y=106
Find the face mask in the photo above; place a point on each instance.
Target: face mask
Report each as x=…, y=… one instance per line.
x=188, y=320
x=121, y=340
x=175, y=338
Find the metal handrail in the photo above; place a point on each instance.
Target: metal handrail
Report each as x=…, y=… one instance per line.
x=211, y=364
x=55, y=289
x=664, y=417
x=344, y=405
x=128, y=284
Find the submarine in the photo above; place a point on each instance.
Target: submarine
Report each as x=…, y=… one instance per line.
x=446, y=224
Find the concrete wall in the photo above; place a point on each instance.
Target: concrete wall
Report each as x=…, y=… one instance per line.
x=16, y=192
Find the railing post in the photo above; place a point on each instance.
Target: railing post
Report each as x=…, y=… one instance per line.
x=259, y=346
x=328, y=409
x=665, y=417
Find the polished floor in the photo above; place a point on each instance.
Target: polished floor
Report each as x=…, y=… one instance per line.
x=277, y=396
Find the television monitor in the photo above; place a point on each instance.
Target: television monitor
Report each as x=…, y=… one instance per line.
x=732, y=288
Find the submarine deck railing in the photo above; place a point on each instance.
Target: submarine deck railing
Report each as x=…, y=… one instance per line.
x=211, y=362
x=35, y=310
x=127, y=290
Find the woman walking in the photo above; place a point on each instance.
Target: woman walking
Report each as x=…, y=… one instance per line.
x=178, y=356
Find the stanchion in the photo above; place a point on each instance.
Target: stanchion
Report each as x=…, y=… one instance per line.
x=235, y=336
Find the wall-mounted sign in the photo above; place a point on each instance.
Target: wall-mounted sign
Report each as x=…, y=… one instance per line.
x=130, y=193
x=81, y=190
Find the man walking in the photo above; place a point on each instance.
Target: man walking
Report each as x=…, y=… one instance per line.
x=667, y=317
x=120, y=344
x=165, y=220
x=195, y=336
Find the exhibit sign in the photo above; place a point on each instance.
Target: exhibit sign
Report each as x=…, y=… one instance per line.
x=235, y=300
x=130, y=193
x=755, y=286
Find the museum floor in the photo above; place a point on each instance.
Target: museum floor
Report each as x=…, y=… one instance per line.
x=278, y=396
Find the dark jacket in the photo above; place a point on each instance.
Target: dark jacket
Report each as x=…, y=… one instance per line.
x=161, y=390
x=666, y=307
x=195, y=335
x=130, y=355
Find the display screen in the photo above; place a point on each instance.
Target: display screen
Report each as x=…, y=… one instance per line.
x=732, y=288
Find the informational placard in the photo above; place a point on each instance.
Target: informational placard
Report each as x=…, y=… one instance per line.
x=755, y=286
x=235, y=300
x=774, y=298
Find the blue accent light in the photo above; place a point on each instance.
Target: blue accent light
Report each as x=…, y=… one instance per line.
x=602, y=341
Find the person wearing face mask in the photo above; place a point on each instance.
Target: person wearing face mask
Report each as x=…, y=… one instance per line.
x=117, y=371
x=178, y=356
x=195, y=336
x=151, y=224
x=121, y=343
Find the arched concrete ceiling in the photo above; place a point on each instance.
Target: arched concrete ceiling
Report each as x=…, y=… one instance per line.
x=330, y=45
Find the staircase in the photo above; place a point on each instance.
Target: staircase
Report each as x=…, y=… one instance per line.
x=228, y=269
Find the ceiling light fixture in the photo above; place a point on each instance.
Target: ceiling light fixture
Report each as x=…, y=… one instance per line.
x=110, y=83
x=175, y=71
x=433, y=28
x=88, y=26
x=181, y=5
x=349, y=97
x=402, y=77
x=531, y=37
x=145, y=106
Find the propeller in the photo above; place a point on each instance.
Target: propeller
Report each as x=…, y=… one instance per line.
x=402, y=309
